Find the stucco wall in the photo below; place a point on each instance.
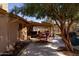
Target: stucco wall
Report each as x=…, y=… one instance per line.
x=8, y=33
x=40, y=28
x=3, y=32
x=23, y=34
x=12, y=32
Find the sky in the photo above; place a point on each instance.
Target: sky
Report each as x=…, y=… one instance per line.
x=11, y=5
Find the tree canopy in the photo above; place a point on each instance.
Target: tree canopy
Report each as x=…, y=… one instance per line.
x=55, y=11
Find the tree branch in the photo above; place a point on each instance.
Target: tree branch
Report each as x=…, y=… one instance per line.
x=58, y=24
x=69, y=25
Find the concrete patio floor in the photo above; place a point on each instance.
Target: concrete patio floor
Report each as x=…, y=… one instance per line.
x=35, y=49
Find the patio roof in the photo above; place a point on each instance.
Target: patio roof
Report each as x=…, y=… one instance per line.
x=16, y=18
x=45, y=24
x=19, y=19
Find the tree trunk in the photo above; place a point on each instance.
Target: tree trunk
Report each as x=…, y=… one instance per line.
x=65, y=34
x=66, y=38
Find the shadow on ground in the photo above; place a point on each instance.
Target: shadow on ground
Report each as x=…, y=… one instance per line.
x=35, y=49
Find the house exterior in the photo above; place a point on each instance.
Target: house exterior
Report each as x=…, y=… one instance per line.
x=21, y=25
x=42, y=27
x=12, y=28
x=3, y=30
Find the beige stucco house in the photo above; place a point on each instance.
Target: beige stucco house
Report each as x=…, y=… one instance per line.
x=12, y=28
